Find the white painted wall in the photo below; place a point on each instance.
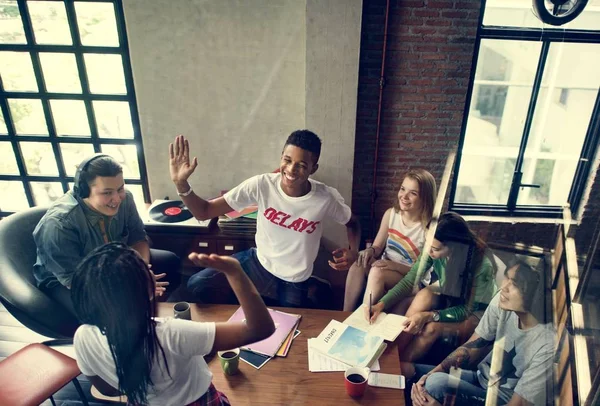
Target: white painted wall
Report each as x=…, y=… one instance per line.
x=237, y=77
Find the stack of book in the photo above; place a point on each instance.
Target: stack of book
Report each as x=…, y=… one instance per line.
x=278, y=344
x=239, y=222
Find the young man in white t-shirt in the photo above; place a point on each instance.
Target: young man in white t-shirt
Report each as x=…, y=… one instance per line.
x=511, y=349
x=291, y=210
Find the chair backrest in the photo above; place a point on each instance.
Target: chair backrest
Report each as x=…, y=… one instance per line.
x=18, y=290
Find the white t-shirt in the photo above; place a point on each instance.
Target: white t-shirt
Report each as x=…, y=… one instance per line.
x=184, y=343
x=288, y=229
x=526, y=363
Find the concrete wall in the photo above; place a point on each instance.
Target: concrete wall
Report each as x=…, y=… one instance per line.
x=332, y=56
x=237, y=77
x=228, y=74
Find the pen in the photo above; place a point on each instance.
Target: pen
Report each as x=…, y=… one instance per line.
x=370, y=304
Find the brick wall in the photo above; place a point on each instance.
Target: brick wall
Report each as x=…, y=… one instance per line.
x=428, y=65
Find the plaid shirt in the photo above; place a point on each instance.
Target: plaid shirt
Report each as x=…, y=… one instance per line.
x=212, y=397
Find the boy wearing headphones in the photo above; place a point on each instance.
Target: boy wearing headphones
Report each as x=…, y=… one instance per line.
x=97, y=211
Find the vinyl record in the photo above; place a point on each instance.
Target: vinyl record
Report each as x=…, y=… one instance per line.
x=173, y=211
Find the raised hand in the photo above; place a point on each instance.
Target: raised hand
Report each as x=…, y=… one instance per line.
x=180, y=166
x=224, y=264
x=159, y=287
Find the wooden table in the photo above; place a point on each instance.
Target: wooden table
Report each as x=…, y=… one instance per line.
x=287, y=381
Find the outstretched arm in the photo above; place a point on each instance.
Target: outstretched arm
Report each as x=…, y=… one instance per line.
x=258, y=324
x=180, y=169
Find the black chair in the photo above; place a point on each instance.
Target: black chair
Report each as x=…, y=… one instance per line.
x=18, y=290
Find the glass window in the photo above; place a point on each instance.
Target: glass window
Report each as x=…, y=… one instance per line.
x=60, y=72
x=97, y=24
x=45, y=193
x=113, y=119
x=11, y=29
x=8, y=163
x=28, y=116
x=16, y=71
x=126, y=155
x=105, y=73
x=3, y=129
x=49, y=21
x=563, y=111
x=501, y=92
x=12, y=196
x=70, y=117
x=527, y=141
x=138, y=196
x=39, y=158
x=73, y=155
x=519, y=14
x=62, y=102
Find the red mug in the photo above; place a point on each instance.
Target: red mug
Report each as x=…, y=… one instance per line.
x=355, y=381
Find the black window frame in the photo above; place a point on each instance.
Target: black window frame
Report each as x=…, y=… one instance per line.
x=547, y=36
x=78, y=50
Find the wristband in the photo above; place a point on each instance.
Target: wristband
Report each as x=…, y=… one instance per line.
x=185, y=194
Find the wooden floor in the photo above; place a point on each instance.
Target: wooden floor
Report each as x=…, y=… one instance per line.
x=14, y=336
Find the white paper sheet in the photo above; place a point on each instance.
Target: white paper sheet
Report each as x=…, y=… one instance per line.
x=319, y=362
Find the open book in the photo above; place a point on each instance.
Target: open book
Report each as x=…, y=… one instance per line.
x=349, y=345
x=388, y=326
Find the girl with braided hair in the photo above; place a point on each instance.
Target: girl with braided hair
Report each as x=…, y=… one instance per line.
x=124, y=349
x=454, y=283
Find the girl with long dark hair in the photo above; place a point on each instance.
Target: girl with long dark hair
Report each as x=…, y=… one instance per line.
x=454, y=285
x=124, y=349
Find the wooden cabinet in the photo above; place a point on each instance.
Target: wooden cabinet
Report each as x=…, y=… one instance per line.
x=184, y=240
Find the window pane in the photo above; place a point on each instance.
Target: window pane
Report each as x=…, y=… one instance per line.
x=126, y=155
x=502, y=89
x=562, y=116
x=11, y=29
x=97, y=24
x=3, y=129
x=138, y=197
x=73, y=154
x=70, y=117
x=60, y=72
x=12, y=196
x=105, y=73
x=519, y=13
x=16, y=71
x=8, y=162
x=113, y=119
x=49, y=21
x=28, y=116
x=45, y=193
x=39, y=158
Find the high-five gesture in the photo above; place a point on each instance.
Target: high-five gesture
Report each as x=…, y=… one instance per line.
x=179, y=160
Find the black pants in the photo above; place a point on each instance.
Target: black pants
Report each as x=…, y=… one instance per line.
x=162, y=262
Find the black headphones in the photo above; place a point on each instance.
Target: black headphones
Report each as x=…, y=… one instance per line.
x=80, y=188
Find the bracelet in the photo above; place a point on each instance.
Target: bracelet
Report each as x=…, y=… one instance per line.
x=185, y=194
